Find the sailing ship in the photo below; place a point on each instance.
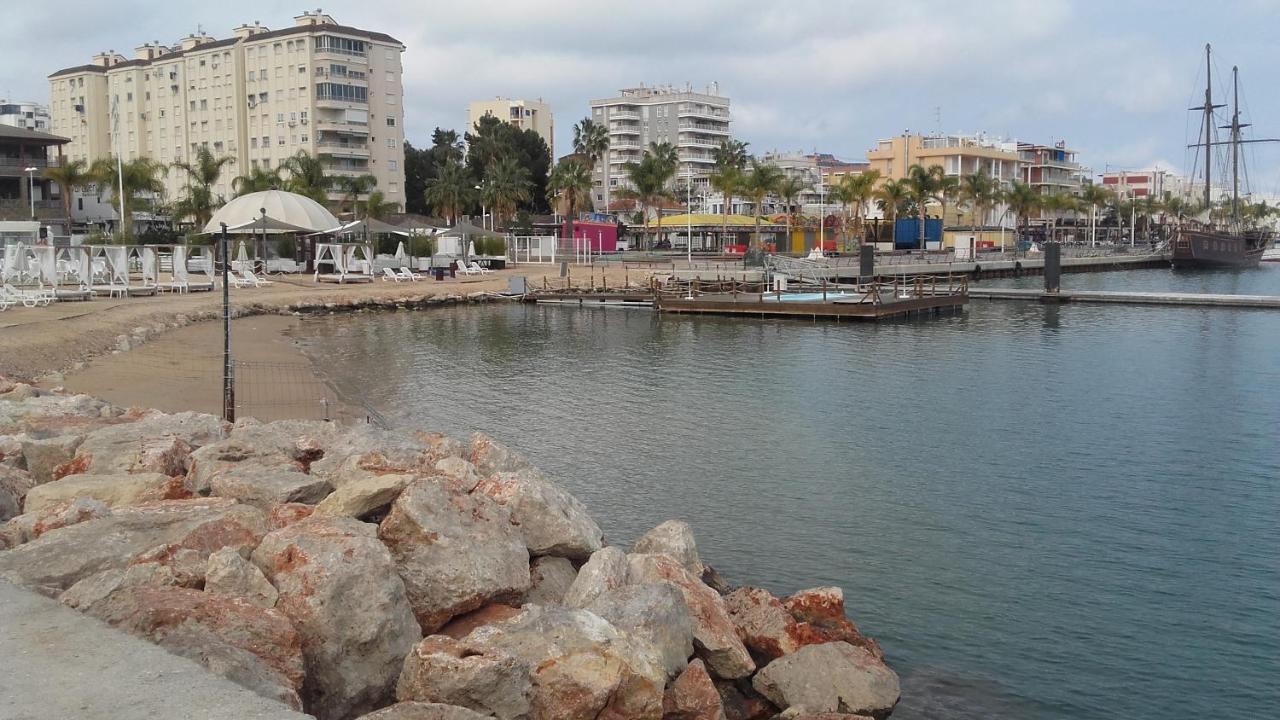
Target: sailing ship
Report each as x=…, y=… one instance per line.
x=1229, y=243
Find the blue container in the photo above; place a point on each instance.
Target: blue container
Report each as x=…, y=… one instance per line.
x=906, y=232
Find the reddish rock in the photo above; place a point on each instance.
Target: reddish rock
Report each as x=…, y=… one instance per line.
x=175, y=488
x=75, y=466
x=822, y=611
x=462, y=625
x=187, y=566
x=66, y=514
x=286, y=514
x=765, y=626
x=692, y=696
x=253, y=646
x=741, y=702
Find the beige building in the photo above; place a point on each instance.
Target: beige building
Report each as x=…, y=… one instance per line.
x=957, y=155
x=694, y=122
x=532, y=115
x=259, y=96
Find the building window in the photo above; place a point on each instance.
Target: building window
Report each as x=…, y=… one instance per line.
x=280, y=140
x=279, y=118
x=391, y=142
x=391, y=122
x=304, y=137
x=204, y=104
x=253, y=143
x=345, y=93
x=393, y=187
x=391, y=165
x=266, y=141
x=340, y=45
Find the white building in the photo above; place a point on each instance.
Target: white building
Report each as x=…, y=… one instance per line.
x=532, y=115
x=259, y=96
x=694, y=122
x=27, y=115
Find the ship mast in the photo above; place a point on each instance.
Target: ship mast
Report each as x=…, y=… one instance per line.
x=1235, y=128
x=1208, y=129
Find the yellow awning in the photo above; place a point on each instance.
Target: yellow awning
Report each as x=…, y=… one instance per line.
x=684, y=220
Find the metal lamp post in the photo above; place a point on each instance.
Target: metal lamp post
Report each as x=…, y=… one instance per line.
x=31, y=188
x=822, y=215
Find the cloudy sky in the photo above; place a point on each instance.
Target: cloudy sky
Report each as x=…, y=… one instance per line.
x=1111, y=77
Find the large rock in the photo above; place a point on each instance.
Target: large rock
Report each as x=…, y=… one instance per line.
x=549, y=579
x=92, y=591
x=714, y=636
x=112, y=490
x=57, y=560
x=741, y=701
x=362, y=497
x=366, y=449
x=490, y=456
x=654, y=613
x=292, y=444
x=339, y=586
x=14, y=485
x=606, y=570
x=158, y=442
x=831, y=677
x=821, y=613
x=692, y=696
x=765, y=626
x=454, y=551
x=675, y=539
x=29, y=526
x=265, y=486
x=547, y=663
x=43, y=455
x=230, y=574
x=252, y=646
x=38, y=413
x=423, y=711
x=461, y=471
x=551, y=521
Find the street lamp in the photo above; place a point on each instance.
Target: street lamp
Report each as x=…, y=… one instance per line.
x=31, y=188
x=822, y=215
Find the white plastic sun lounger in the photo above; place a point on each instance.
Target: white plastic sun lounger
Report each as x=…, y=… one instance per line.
x=407, y=274
x=389, y=274
x=478, y=269
x=464, y=270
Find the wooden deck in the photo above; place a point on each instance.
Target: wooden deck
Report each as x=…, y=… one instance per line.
x=760, y=305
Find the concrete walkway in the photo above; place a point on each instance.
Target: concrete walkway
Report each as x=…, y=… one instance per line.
x=1127, y=298
x=57, y=663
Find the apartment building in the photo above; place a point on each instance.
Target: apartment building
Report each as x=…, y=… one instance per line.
x=258, y=96
x=25, y=115
x=694, y=122
x=956, y=154
x=1051, y=170
x=532, y=115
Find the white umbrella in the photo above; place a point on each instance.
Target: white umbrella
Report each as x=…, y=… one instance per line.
x=471, y=249
x=242, y=258
x=400, y=254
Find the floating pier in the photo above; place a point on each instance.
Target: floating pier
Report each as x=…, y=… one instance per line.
x=1127, y=298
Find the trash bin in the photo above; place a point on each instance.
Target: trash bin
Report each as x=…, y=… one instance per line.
x=439, y=272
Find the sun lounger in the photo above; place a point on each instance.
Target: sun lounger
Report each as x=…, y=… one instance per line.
x=407, y=274
x=389, y=274
x=464, y=270
x=480, y=270
x=246, y=278
x=29, y=298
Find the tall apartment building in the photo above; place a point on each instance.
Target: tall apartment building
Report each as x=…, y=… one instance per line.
x=532, y=115
x=259, y=96
x=1051, y=170
x=26, y=115
x=956, y=154
x=695, y=123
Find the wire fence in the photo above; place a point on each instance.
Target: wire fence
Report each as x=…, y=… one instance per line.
x=280, y=391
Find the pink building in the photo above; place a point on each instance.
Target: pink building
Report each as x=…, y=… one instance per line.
x=603, y=237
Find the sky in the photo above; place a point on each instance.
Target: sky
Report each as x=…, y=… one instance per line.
x=1112, y=78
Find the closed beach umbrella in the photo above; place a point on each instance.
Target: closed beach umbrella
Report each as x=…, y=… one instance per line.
x=400, y=251
x=242, y=257
x=471, y=249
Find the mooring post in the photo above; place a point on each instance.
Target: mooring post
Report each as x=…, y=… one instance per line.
x=867, y=262
x=1052, y=268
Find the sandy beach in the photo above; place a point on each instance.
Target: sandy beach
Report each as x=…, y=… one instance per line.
x=165, y=351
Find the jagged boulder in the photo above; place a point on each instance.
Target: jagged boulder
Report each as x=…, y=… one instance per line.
x=43, y=455
x=490, y=456
x=551, y=521
x=361, y=497
x=286, y=514
x=463, y=473
x=423, y=711
x=821, y=611
x=14, y=485
x=229, y=574
x=255, y=647
x=57, y=560
x=454, y=551
x=95, y=589
x=339, y=587
x=714, y=636
x=546, y=663
x=765, y=626
x=549, y=580
x=29, y=526
x=158, y=442
x=692, y=696
x=673, y=538
x=830, y=677
x=39, y=413
x=366, y=449
x=113, y=490
x=267, y=486
x=654, y=613
x=284, y=444
x=604, y=571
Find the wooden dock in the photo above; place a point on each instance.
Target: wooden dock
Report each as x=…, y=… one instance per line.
x=1127, y=298
x=835, y=308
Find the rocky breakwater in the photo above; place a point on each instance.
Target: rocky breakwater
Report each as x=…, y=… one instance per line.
x=399, y=576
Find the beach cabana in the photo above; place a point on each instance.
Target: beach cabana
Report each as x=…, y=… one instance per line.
x=114, y=261
x=347, y=262
x=271, y=212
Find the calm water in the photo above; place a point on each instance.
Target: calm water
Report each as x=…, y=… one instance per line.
x=1041, y=512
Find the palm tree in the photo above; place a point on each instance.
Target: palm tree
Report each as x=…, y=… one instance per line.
x=763, y=180
x=590, y=140
x=451, y=190
x=978, y=192
x=1179, y=208
x=858, y=191
x=727, y=176
x=569, y=186
x=507, y=184
x=666, y=156
x=648, y=185
x=789, y=188
x=259, y=179
x=71, y=176
x=352, y=187
x=377, y=206
x=948, y=189
x=1094, y=197
x=1122, y=209
x=138, y=176
x=307, y=177
x=199, y=202
x=891, y=198
x=923, y=185
x=1022, y=200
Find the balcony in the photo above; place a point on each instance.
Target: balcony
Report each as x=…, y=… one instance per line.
x=718, y=129
x=10, y=166
x=706, y=112
x=624, y=145
x=624, y=129
x=339, y=55
x=338, y=149
x=15, y=209
x=343, y=128
x=615, y=114
x=340, y=103
x=346, y=170
x=697, y=142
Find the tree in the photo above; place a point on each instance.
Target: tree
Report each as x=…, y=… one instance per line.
x=727, y=176
x=591, y=141
x=259, y=179
x=307, y=177
x=140, y=176
x=377, y=206
x=451, y=191
x=763, y=180
x=199, y=202
x=789, y=188
x=418, y=170
x=1022, y=200
x=569, y=187
x=856, y=191
x=664, y=153
x=352, y=187
x=923, y=185
x=508, y=185
x=948, y=189
x=891, y=198
x=978, y=191
x=1094, y=197
x=648, y=185
x=70, y=177
x=493, y=141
